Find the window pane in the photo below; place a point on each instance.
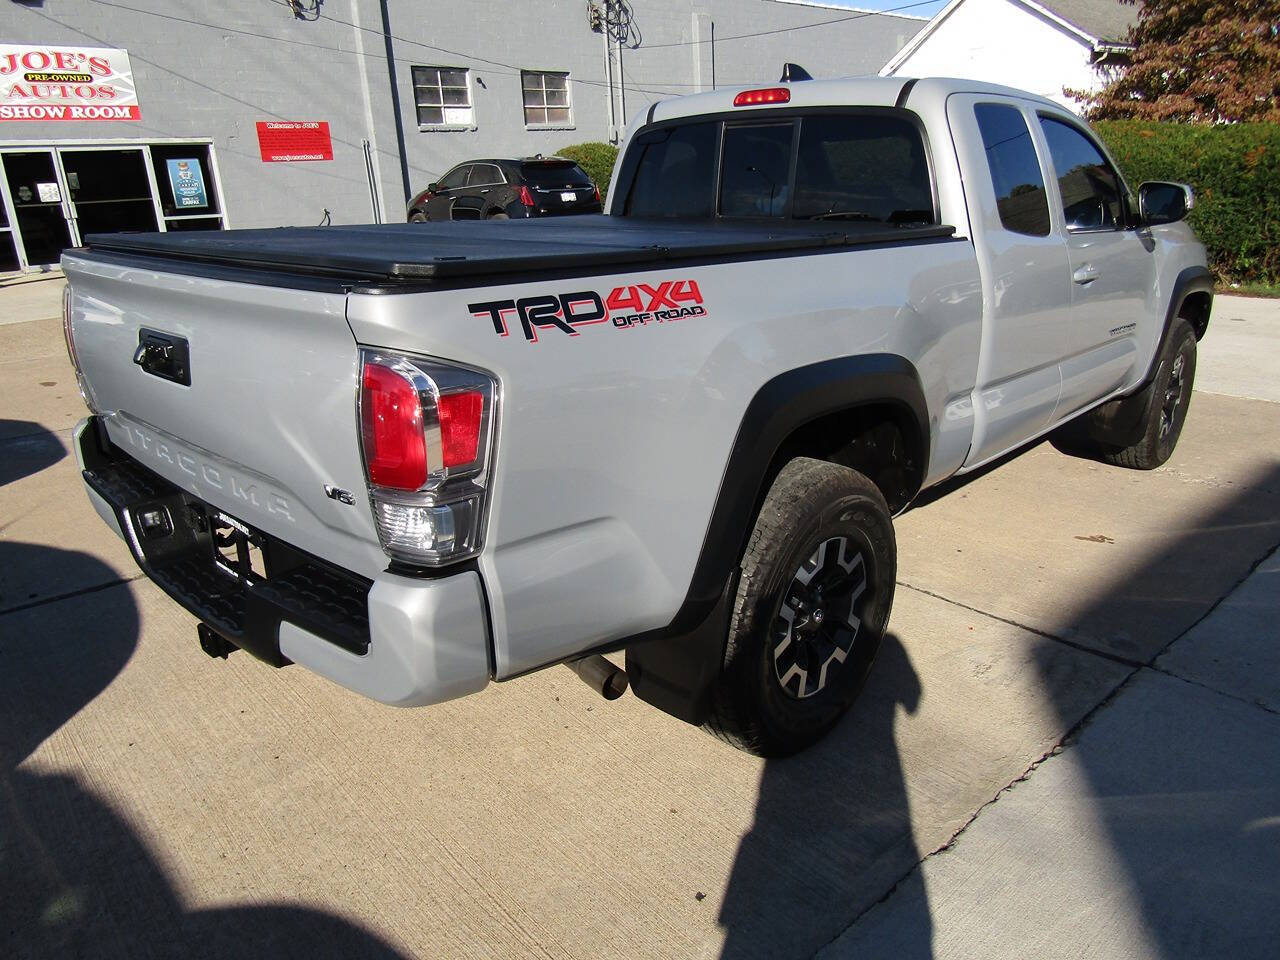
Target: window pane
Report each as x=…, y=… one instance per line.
x=453, y=78
x=430, y=115
x=454, y=178
x=186, y=203
x=534, y=115
x=557, y=98
x=1015, y=171
x=531, y=81
x=865, y=167
x=676, y=174
x=426, y=75
x=1091, y=194
x=558, y=115
x=555, y=81
x=455, y=97
x=754, y=174
x=429, y=97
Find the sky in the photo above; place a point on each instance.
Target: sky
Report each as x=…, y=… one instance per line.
x=916, y=8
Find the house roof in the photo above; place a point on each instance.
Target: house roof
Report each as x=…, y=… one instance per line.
x=1105, y=20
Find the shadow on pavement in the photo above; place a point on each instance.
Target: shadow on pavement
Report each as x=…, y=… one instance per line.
x=1184, y=782
x=75, y=879
x=31, y=449
x=832, y=830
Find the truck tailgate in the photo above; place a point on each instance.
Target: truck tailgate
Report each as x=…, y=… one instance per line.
x=269, y=418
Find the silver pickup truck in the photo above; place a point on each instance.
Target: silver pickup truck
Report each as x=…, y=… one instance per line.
x=419, y=458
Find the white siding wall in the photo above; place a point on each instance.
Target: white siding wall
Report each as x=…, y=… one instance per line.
x=1001, y=41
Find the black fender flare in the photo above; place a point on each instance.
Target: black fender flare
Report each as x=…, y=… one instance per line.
x=674, y=666
x=1188, y=281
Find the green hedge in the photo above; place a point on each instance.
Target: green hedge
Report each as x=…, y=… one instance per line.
x=1235, y=171
x=596, y=159
x=1234, y=168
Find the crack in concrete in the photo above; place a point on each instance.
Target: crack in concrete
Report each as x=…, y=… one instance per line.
x=44, y=601
x=1075, y=645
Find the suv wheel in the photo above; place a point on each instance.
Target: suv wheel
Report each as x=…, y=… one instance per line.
x=812, y=604
x=417, y=217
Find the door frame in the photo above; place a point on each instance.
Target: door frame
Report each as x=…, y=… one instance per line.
x=72, y=219
x=80, y=145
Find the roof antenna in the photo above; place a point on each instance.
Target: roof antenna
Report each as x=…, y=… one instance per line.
x=793, y=72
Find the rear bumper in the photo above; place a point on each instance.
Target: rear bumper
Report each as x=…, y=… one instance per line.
x=400, y=640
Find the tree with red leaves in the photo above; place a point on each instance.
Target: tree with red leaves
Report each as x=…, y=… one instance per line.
x=1198, y=61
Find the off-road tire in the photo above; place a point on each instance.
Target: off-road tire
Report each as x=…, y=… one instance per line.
x=811, y=503
x=417, y=217
x=498, y=216
x=1167, y=411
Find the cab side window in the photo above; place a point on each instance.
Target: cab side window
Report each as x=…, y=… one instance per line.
x=483, y=175
x=1015, y=170
x=1092, y=192
x=455, y=178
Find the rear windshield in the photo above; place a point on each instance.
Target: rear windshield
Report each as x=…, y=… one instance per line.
x=549, y=175
x=831, y=166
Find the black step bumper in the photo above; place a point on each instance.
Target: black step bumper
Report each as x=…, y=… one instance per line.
x=177, y=551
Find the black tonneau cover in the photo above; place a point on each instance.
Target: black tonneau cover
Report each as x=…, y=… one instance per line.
x=444, y=251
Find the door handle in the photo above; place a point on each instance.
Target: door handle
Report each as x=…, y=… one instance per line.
x=485, y=190
x=1086, y=274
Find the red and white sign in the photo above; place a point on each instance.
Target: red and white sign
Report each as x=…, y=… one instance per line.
x=287, y=141
x=66, y=83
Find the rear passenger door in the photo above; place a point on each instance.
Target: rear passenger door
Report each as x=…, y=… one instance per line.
x=471, y=203
x=1025, y=272
x=1112, y=265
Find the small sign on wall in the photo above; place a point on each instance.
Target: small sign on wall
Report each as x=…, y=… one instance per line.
x=187, y=180
x=285, y=141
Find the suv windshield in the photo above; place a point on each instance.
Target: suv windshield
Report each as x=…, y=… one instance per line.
x=863, y=166
x=552, y=174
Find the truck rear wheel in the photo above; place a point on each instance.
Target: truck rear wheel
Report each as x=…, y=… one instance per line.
x=813, y=600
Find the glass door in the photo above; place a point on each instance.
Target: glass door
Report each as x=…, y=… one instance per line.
x=8, y=248
x=109, y=190
x=38, y=213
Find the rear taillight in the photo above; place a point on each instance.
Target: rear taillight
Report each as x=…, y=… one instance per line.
x=526, y=197
x=753, y=98
x=597, y=194
x=425, y=429
x=395, y=447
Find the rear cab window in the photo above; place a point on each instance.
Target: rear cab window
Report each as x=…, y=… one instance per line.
x=867, y=165
x=1015, y=169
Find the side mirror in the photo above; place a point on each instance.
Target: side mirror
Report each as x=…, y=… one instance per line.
x=432, y=187
x=1161, y=202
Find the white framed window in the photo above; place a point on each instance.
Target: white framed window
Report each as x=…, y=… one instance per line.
x=546, y=99
x=442, y=96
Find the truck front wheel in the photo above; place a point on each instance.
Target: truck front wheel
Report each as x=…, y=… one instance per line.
x=1166, y=410
x=812, y=603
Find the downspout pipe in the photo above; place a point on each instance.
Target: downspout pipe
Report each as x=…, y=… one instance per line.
x=395, y=100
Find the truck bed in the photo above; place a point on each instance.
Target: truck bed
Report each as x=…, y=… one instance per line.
x=436, y=252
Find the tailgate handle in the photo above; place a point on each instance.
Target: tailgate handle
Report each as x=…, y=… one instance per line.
x=164, y=355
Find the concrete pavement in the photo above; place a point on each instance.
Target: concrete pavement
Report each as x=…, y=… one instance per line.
x=157, y=802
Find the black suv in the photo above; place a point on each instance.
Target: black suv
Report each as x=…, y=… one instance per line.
x=503, y=189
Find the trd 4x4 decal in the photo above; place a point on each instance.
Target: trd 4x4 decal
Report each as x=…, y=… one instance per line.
x=625, y=307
